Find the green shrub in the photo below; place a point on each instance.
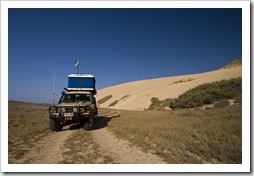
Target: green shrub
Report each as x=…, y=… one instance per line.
x=159, y=104
x=103, y=100
x=208, y=93
x=154, y=103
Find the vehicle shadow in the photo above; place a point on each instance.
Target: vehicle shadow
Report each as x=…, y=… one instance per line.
x=102, y=121
x=99, y=122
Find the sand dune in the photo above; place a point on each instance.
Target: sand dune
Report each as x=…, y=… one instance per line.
x=140, y=92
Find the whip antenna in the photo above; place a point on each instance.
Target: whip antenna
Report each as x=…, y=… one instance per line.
x=54, y=85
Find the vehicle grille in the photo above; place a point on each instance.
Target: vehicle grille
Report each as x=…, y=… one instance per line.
x=68, y=110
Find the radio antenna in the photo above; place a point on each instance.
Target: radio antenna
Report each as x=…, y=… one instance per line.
x=54, y=86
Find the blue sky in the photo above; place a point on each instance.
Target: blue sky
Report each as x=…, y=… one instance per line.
x=115, y=45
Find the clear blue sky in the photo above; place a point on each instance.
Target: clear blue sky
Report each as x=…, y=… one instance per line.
x=115, y=45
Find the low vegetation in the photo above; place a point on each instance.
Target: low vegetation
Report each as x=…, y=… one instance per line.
x=208, y=93
x=181, y=136
x=27, y=123
x=114, y=103
x=233, y=64
x=104, y=99
x=157, y=104
x=121, y=99
x=182, y=81
x=185, y=136
x=221, y=104
x=125, y=97
x=238, y=99
x=204, y=94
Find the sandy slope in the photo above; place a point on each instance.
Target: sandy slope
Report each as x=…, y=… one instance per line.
x=141, y=92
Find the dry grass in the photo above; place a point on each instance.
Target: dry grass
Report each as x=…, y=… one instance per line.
x=181, y=136
x=185, y=136
x=27, y=123
x=235, y=63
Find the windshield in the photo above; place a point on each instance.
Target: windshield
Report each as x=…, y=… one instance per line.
x=75, y=98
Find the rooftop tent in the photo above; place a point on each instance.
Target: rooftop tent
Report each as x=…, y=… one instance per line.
x=81, y=82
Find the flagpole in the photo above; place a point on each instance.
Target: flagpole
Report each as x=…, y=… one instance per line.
x=77, y=65
x=78, y=68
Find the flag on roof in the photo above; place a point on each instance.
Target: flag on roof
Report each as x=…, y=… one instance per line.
x=77, y=63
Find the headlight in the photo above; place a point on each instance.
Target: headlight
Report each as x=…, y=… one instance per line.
x=58, y=109
x=52, y=109
x=62, y=109
x=82, y=109
x=75, y=109
x=85, y=109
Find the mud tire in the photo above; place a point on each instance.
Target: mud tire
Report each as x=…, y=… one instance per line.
x=55, y=126
x=89, y=124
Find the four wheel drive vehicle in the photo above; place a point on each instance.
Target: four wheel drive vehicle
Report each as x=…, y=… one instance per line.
x=74, y=107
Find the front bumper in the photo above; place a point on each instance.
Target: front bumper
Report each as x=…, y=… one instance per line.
x=61, y=117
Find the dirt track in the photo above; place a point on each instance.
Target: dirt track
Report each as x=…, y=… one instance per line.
x=121, y=151
x=50, y=149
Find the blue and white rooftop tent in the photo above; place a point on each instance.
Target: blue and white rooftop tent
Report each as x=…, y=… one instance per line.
x=81, y=82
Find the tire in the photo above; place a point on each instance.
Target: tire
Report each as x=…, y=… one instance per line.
x=89, y=124
x=55, y=126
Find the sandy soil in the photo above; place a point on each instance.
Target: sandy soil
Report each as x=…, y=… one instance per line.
x=48, y=150
x=141, y=92
x=121, y=150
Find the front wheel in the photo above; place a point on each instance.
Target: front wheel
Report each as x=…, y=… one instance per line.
x=89, y=124
x=55, y=126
